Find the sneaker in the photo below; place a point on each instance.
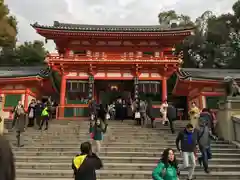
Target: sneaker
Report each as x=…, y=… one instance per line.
x=207, y=171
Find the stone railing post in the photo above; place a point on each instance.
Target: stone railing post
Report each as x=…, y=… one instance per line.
x=227, y=109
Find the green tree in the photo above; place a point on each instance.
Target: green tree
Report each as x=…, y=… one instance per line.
x=216, y=42
x=31, y=53
x=8, y=32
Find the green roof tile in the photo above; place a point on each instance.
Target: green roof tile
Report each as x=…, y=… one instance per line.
x=10, y=72
x=208, y=74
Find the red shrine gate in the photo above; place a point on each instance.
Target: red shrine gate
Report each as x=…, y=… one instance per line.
x=88, y=53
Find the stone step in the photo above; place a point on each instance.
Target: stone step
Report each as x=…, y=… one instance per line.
x=137, y=133
x=106, y=140
x=113, y=174
x=107, y=159
x=118, y=166
x=115, y=149
x=198, y=178
x=114, y=154
x=87, y=136
x=130, y=145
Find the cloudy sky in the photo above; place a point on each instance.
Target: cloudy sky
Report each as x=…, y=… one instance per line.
x=119, y=12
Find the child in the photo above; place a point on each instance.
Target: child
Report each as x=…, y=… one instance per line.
x=97, y=132
x=137, y=116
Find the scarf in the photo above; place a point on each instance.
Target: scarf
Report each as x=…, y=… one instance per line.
x=189, y=136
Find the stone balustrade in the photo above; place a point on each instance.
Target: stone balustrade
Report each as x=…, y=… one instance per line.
x=236, y=128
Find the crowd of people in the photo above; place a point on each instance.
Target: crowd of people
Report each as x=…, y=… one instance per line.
x=39, y=112
x=193, y=140
x=139, y=110
x=193, y=143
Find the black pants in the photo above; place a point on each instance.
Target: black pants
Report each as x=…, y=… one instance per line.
x=44, y=120
x=171, y=125
x=14, y=120
x=38, y=120
x=31, y=122
x=138, y=120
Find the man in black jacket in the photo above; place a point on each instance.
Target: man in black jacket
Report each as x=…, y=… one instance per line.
x=85, y=164
x=172, y=116
x=188, y=138
x=38, y=111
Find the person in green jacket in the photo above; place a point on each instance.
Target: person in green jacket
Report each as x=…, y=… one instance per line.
x=167, y=168
x=44, y=117
x=97, y=130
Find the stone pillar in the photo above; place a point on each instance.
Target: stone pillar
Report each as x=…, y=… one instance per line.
x=228, y=108
x=62, y=96
x=164, y=89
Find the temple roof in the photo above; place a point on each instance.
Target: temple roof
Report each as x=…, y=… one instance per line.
x=28, y=71
x=207, y=74
x=109, y=28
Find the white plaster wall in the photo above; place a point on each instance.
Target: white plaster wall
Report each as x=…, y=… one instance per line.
x=23, y=97
x=204, y=101
x=30, y=98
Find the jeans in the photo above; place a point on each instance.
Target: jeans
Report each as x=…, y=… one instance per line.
x=206, y=154
x=97, y=146
x=188, y=158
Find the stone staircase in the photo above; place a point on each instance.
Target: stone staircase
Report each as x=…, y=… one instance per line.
x=128, y=152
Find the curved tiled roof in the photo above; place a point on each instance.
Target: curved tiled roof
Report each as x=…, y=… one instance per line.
x=11, y=72
x=208, y=74
x=109, y=28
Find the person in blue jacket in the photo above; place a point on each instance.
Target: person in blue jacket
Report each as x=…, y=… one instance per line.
x=167, y=168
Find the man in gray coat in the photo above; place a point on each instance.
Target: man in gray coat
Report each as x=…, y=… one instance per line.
x=204, y=142
x=20, y=126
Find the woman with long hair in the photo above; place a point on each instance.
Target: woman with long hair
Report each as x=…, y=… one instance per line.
x=194, y=114
x=167, y=168
x=96, y=132
x=7, y=166
x=31, y=113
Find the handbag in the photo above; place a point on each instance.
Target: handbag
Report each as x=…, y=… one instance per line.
x=91, y=135
x=107, y=116
x=137, y=115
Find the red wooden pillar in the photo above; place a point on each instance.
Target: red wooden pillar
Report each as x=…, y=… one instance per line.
x=62, y=96
x=67, y=52
x=164, y=89
x=26, y=100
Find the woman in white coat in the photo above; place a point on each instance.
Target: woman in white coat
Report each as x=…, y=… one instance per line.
x=163, y=110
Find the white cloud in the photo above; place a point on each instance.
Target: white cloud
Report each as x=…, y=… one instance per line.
x=119, y=12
